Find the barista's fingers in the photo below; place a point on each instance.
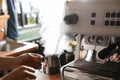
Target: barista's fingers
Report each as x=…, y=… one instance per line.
x=118, y=59
x=28, y=72
x=29, y=75
x=37, y=59
x=28, y=68
x=119, y=56
x=113, y=58
x=38, y=66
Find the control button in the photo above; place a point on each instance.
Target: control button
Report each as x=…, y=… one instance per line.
x=117, y=23
x=71, y=19
x=107, y=14
x=113, y=15
x=118, y=15
x=92, y=22
x=107, y=22
x=100, y=40
x=93, y=14
x=91, y=39
x=112, y=23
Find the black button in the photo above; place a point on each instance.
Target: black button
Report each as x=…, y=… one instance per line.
x=117, y=23
x=112, y=23
x=107, y=14
x=107, y=23
x=118, y=15
x=113, y=15
x=93, y=14
x=92, y=22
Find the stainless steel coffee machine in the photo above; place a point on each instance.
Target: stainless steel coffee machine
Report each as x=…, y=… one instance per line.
x=97, y=23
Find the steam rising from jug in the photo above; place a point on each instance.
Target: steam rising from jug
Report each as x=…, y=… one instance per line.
x=53, y=27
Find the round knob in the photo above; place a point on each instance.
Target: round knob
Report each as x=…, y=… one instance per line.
x=71, y=19
x=100, y=40
x=91, y=39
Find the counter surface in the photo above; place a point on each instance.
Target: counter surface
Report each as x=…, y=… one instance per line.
x=43, y=76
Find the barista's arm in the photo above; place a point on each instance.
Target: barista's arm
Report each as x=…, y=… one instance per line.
x=29, y=59
x=8, y=63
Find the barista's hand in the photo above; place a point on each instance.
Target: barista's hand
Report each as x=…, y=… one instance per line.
x=115, y=58
x=20, y=73
x=30, y=59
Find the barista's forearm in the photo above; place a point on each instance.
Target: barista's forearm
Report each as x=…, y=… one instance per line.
x=7, y=63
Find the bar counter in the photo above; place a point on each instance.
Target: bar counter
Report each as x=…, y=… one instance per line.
x=42, y=76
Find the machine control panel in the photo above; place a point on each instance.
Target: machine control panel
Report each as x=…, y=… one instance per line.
x=100, y=17
x=112, y=18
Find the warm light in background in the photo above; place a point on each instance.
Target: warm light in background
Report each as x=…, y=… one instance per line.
x=0, y=2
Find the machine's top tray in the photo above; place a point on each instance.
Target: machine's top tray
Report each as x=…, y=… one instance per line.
x=108, y=69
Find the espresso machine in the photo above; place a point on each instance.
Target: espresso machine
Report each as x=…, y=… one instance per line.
x=97, y=25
